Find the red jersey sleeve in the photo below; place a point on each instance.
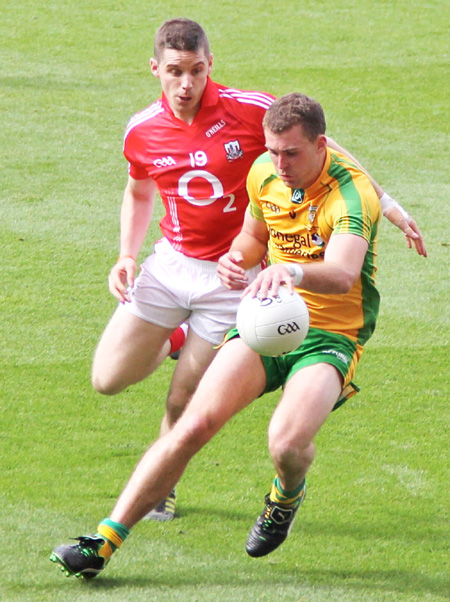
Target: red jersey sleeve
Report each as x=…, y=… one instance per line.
x=136, y=138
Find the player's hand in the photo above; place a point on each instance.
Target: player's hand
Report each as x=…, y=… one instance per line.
x=121, y=278
x=270, y=279
x=409, y=228
x=231, y=274
x=414, y=237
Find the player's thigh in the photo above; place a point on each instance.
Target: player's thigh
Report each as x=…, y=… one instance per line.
x=308, y=398
x=195, y=357
x=234, y=379
x=129, y=348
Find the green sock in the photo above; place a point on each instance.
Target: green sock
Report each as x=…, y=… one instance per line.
x=287, y=498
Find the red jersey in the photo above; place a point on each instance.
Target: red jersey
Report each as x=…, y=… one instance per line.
x=200, y=169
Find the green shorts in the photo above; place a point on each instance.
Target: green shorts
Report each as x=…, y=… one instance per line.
x=319, y=346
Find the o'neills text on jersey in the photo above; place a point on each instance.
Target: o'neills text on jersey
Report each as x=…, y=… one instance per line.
x=215, y=128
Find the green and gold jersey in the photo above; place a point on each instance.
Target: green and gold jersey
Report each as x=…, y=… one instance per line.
x=300, y=224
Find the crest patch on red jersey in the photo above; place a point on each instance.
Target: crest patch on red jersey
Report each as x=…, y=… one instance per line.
x=233, y=150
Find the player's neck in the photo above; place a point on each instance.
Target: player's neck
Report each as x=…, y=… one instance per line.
x=320, y=165
x=186, y=116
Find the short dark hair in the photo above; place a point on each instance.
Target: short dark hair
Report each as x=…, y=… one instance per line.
x=180, y=34
x=295, y=109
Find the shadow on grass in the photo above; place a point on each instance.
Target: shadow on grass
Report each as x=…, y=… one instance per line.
x=392, y=580
x=232, y=515
x=358, y=581
x=411, y=529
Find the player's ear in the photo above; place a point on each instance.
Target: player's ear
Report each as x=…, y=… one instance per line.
x=321, y=142
x=154, y=67
x=210, y=63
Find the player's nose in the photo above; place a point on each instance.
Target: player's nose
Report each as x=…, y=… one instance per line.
x=282, y=162
x=186, y=81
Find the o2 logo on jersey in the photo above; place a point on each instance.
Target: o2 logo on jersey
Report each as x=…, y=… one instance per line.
x=216, y=185
x=200, y=159
x=183, y=187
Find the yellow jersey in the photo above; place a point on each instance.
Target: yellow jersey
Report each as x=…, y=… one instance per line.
x=300, y=224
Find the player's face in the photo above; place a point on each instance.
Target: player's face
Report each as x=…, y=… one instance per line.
x=297, y=160
x=183, y=75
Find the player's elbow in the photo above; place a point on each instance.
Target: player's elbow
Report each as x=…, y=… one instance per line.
x=346, y=281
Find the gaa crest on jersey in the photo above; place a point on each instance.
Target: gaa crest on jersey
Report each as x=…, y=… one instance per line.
x=233, y=150
x=298, y=194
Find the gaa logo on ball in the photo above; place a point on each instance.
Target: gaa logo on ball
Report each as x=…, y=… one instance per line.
x=275, y=325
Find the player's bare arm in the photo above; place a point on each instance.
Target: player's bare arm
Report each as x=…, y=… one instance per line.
x=343, y=260
x=394, y=212
x=400, y=218
x=247, y=250
x=135, y=217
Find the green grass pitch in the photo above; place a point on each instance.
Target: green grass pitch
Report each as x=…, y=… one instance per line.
x=375, y=525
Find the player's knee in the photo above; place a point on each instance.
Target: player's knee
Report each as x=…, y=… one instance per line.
x=104, y=385
x=174, y=408
x=281, y=451
x=177, y=401
x=287, y=447
x=196, y=431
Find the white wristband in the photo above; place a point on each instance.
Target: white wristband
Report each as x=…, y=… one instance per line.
x=387, y=203
x=296, y=272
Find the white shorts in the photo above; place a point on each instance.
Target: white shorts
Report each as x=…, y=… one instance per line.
x=173, y=288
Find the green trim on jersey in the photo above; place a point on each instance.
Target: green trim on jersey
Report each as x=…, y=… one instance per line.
x=370, y=297
x=352, y=199
x=256, y=212
x=264, y=158
x=268, y=180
